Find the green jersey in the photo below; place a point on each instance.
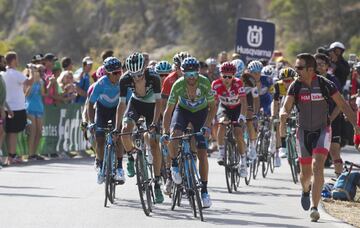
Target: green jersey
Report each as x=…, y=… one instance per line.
x=204, y=94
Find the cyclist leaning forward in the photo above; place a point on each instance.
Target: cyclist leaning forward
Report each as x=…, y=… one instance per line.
x=145, y=101
x=105, y=95
x=232, y=106
x=193, y=100
x=314, y=132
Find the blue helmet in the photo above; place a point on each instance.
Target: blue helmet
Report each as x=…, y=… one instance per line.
x=268, y=71
x=240, y=67
x=112, y=64
x=255, y=66
x=190, y=64
x=163, y=67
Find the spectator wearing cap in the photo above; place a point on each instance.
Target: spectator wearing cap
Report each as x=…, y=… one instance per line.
x=48, y=61
x=37, y=59
x=82, y=80
x=66, y=64
x=52, y=89
x=341, y=68
x=15, y=97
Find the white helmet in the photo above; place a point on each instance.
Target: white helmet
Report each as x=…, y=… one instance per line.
x=337, y=44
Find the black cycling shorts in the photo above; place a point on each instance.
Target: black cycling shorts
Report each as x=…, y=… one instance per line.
x=230, y=114
x=102, y=116
x=336, y=126
x=135, y=109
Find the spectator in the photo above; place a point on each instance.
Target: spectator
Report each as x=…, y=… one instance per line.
x=66, y=63
x=52, y=96
x=14, y=81
x=147, y=59
x=222, y=57
x=107, y=53
x=213, y=71
x=3, y=105
x=82, y=79
x=37, y=59
x=203, y=68
x=48, y=61
x=35, y=111
x=67, y=86
x=341, y=68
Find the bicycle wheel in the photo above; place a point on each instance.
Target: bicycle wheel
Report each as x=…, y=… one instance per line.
x=228, y=166
x=272, y=162
x=265, y=154
x=236, y=170
x=195, y=187
x=107, y=167
x=256, y=162
x=250, y=171
x=291, y=160
x=142, y=182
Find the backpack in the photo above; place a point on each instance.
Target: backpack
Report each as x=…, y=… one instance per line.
x=345, y=186
x=324, y=90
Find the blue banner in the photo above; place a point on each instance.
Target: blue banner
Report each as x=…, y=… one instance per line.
x=255, y=39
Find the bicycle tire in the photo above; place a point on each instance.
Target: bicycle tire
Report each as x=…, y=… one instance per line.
x=272, y=162
x=195, y=188
x=236, y=170
x=250, y=171
x=107, y=167
x=265, y=155
x=227, y=165
x=291, y=160
x=142, y=182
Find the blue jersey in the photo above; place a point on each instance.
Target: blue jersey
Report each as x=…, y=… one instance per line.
x=265, y=96
x=106, y=93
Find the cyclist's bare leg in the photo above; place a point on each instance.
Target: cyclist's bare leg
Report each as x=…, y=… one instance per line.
x=305, y=176
x=157, y=156
x=128, y=127
x=318, y=170
x=203, y=164
x=100, y=143
x=221, y=135
x=173, y=144
x=239, y=138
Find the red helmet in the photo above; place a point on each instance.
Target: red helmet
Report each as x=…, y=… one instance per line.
x=228, y=68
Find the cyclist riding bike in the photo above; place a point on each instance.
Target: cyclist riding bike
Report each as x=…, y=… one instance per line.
x=145, y=101
x=266, y=83
x=240, y=67
x=165, y=93
x=232, y=106
x=252, y=88
x=310, y=94
x=191, y=101
x=105, y=95
x=286, y=76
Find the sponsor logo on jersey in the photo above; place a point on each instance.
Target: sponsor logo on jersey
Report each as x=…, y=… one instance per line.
x=216, y=86
x=305, y=97
x=317, y=97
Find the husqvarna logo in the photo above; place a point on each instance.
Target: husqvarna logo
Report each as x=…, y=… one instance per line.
x=254, y=36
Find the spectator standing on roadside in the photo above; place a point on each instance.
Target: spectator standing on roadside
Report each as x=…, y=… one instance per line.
x=35, y=110
x=3, y=104
x=66, y=63
x=222, y=57
x=67, y=86
x=15, y=97
x=51, y=87
x=340, y=67
x=82, y=80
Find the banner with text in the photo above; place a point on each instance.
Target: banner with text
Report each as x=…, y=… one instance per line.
x=255, y=39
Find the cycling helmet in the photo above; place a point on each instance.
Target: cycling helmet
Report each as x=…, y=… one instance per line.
x=255, y=66
x=287, y=72
x=337, y=44
x=267, y=71
x=211, y=61
x=100, y=72
x=240, y=67
x=227, y=68
x=163, y=67
x=179, y=57
x=135, y=63
x=190, y=64
x=112, y=64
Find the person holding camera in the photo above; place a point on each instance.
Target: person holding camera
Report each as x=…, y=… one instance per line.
x=15, y=97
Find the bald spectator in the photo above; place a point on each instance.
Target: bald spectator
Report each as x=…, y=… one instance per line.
x=15, y=97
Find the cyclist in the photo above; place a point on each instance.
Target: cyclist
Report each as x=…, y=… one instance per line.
x=145, y=101
x=192, y=101
x=105, y=95
x=165, y=92
x=286, y=77
x=253, y=86
x=231, y=96
x=310, y=93
x=266, y=83
x=240, y=67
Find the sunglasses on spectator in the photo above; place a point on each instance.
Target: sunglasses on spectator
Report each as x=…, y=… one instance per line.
x=227, y=76
x=191, y=74
x=300, y=67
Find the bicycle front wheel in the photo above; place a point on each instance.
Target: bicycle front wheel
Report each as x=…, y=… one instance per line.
x=195, y=187
x=292, y=160
x=228, y=165
x=142, y=183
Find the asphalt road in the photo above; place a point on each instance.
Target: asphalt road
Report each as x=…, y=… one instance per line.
x=64, y=193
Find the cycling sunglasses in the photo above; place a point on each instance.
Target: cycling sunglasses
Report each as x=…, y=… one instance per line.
x=227, y=76
x=191, y=74
x=116, y=72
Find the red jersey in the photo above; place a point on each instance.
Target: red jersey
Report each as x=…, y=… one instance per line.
x=229, y=97
x=168, y=83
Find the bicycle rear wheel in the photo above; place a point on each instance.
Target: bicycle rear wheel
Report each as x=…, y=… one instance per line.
x=107, y=167
x=250, y=171
x=265, y=157
x=195, y=187
x=142, y=183
x=236, y=170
